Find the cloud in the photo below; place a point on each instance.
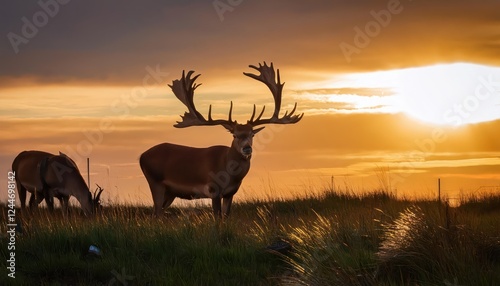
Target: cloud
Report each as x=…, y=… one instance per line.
x=123, y=38
x=347, y=90
x=353, y=146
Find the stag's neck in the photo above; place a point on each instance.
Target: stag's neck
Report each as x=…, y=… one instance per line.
x=237, y=165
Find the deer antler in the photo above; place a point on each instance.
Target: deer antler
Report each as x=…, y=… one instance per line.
x=273, y=82
x=184, y=91
x=97, y=195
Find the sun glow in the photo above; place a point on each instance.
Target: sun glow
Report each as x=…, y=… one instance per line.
x=445, y=94
x=450, y=94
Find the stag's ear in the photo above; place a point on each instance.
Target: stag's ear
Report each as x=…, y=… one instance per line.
x=229, y=127
x=255, y=131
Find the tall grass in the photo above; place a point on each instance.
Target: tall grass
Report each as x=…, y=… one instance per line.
x=187, y=248
x=483, y=202
x=426, y=243
x=338, y=238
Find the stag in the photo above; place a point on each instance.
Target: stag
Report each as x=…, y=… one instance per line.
x=216, y=172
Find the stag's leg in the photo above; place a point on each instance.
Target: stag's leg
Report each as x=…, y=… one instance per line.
x=168, y=201
x=159, y=192
x=226, y=206
x=216, y=206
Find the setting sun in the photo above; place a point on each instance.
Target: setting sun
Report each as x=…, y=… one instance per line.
x=450, y=94
x=444, y=94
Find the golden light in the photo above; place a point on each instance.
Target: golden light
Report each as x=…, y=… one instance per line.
x=450, y=94
x=445, y=94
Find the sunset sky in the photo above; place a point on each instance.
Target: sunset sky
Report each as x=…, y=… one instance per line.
x=407, y=91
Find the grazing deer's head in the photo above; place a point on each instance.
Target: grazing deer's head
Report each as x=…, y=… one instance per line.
x=242, y=133
x=96, y=198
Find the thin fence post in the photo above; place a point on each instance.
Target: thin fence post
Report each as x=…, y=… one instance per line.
x=439, y=189
x=88, y=172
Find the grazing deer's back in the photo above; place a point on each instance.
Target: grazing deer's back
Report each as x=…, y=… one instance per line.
x=25, y=165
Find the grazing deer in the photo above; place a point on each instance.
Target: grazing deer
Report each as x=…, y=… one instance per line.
x=46, y=176
x=214, y=172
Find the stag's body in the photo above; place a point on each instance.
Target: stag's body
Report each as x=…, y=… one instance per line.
x=215, y=172
x=46, y=176
x=171, y=171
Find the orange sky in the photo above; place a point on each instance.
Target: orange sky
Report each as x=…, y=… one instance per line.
x=408, y=99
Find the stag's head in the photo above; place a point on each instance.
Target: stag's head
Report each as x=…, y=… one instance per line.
x=243, y=138
x=242, y=133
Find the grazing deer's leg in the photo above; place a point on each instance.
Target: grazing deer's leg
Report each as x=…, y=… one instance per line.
x=216, y=206
x=226, y=206
x=49, y=200
x=22, y=194
x=31, y=202
x=35, y=199
x=64, y=200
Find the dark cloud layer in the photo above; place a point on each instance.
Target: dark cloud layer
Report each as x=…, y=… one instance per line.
x=107, y=42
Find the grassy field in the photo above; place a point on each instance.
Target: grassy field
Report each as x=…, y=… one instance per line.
x=335, y=239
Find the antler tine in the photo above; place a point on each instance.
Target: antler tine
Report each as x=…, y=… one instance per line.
x=261, y=113
x=97, y=193
x=183, y=89
x=290, y=117
x=230, y=112
x=253, y=114
x=210, y=113
x=293, y=109
x=272, y=79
